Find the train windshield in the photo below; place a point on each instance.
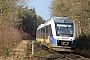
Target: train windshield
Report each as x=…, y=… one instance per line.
x=65, y=30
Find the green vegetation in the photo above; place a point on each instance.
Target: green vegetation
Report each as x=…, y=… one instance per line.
x=58, y=7
x=28, y=20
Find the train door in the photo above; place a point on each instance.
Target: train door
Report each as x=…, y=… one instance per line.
x=44, y=34
x=48, y=35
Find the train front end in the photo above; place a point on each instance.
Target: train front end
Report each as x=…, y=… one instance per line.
x=64, y=35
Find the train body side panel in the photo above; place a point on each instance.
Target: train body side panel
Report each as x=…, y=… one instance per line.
x=40, y=40
x=53, y=40
x=47, y=41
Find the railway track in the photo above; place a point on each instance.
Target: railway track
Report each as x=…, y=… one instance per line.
x=72, y=56
x=67, y=56
x=61, y=55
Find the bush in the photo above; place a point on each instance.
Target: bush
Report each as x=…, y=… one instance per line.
x=9, y=38
x=83, y=42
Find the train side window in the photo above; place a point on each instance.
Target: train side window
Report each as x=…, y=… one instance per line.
x=50, y=30
x=42, y=32
x=39, y=33
x=51, y=33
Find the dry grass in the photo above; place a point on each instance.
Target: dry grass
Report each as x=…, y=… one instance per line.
x=9, y=38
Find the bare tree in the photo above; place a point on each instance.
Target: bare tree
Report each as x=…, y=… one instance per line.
x=77, y=10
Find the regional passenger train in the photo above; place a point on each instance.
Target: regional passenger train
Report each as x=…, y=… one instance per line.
x=59, y=33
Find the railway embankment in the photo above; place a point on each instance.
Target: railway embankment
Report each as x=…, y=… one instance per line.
x=43, y=53
x=23, y=51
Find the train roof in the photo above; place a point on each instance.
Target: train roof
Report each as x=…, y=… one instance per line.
x=62, y=20
x=41, y=25
x=56, y=20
